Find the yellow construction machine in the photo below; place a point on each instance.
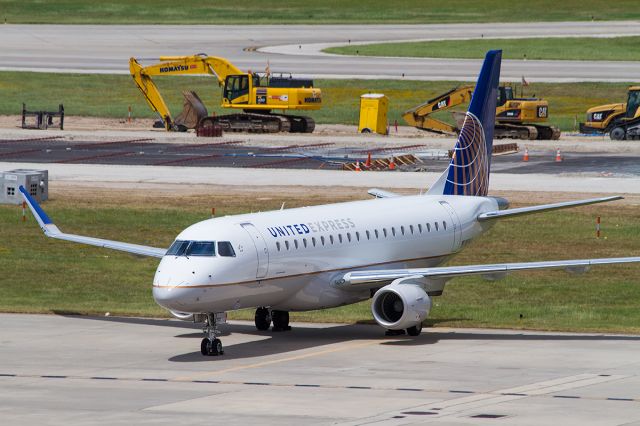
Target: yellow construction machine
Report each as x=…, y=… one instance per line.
x=515, y=117
x=257, y=95
x=621, y=121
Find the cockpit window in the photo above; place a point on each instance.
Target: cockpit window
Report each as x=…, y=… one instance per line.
x=201, y=248
x=226, y=249
x=192, y=248
x=178, y=248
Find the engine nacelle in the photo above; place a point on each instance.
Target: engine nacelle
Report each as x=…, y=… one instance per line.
x=400, y=305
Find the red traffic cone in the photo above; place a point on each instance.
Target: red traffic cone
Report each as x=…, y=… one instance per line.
x=358, y=169
x=392, y=164
x=526, y=155
x=558, y=156
x=368, y=163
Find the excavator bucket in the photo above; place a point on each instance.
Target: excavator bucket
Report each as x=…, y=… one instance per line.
x=193, y=111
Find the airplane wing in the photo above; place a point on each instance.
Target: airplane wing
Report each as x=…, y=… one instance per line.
x=361, y=280
x=51, y=230
x=544, y=207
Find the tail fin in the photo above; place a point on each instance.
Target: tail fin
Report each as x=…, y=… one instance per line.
x=468, y=171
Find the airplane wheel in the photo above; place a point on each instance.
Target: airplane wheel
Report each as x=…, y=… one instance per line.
x=262, y=319
x=216, y=347
x=280, y=320
x=211, y=347
x=415, y=330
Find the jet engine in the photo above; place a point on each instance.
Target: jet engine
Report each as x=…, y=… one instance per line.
x=400, y=305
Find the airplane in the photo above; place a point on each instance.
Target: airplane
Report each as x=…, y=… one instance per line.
x=387, y=248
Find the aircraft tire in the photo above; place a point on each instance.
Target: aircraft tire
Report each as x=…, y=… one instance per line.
x=280, y=320
x=415, y=330
x=262, y=319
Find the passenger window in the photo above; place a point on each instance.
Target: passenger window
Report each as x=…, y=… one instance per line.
x=428, y=228
x=295, y=243
x=375, y=231
x=444, y=225
x=322, y=240
x=278, y=245
x=340, y=238
x=331, y=239
x=402, y=230
x=420, y=228
x=393, y=231
x=349, y=236
x=436, y=224
x=384, y=231
x=286, y=244
x=357, y=236
x=226, y=249
x=304, y=242
x=201, y=248
x=368, y=235
x=411, y=229
x=313, y=241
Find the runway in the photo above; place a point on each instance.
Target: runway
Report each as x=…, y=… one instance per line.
x=295, y=48
x=106, y=370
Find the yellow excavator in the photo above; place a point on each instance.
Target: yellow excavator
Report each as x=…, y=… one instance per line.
x=621, y=121
x=257, y=95
x=518, y=118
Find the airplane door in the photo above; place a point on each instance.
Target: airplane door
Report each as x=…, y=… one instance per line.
x=457, y=228
x=261, y=249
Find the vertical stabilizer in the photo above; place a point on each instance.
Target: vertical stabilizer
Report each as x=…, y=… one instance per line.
x=468, y=171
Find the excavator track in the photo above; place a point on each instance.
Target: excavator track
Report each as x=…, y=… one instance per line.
x=515, y=131
x=260, y=123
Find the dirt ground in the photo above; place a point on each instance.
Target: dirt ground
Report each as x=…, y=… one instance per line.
x=96, y=129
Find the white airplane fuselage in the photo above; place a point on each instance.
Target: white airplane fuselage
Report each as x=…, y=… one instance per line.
x=288, y=259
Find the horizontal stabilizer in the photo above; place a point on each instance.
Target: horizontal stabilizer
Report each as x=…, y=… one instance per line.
x=544, y=207
x=381, y=193
x=52, y=231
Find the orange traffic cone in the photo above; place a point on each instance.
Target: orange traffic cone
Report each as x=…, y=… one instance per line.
x=392, y=164
x=558, y=156
x=526, y=155
x=368, y=163
x=358, y=169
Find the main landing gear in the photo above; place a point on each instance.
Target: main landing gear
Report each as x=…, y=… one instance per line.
x=211, y=345
x=264, y=317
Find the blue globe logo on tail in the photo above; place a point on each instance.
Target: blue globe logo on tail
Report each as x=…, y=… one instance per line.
x=470, y=166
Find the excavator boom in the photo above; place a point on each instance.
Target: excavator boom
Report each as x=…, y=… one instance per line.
x=419, y=116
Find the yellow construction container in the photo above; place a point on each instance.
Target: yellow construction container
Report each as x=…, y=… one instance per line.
x=373, y=113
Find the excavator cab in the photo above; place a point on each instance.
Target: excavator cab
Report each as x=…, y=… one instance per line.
x=505, y=93
x=633, y=102
x=235, y=87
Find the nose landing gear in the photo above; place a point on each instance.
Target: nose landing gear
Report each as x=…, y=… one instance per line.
x=211, y=345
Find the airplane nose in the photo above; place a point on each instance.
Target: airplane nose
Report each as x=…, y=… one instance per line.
x=172, y=298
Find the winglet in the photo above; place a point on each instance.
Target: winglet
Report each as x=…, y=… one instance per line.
x=43, y=220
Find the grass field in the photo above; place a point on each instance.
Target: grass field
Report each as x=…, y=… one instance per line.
x=309, y=11
x=110, y=95
x=569, y=48
x=43, y=275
